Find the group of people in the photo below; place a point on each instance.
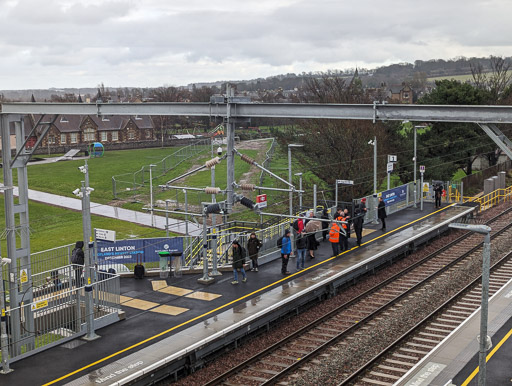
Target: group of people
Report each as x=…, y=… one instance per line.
x=305, y=229
x=239, y=255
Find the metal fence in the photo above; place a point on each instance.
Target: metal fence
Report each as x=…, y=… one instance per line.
x=57, y=312
x=130, y=184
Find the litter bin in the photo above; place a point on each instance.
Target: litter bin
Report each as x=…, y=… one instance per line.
x=176, y=263
x=164, y=264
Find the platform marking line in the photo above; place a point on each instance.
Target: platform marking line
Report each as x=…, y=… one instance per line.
x=228, y=304
x=489, y=356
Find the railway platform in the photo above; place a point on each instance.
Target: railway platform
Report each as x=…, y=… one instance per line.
x=173, y=324
x=454, y=361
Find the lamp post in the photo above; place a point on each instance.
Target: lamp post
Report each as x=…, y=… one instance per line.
x=375, y=201
x=290, y=195
x=151, y=193
x=300, y=188
x=484, y=340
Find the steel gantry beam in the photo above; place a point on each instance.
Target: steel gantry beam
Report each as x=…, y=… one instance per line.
x=374, y=112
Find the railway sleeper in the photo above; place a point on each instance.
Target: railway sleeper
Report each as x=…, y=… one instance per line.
x=395, y=369
x=375, y=382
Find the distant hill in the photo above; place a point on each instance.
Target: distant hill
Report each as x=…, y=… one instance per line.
x=423, y=71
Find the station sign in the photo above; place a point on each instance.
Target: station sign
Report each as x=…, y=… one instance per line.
x=344, y=182
x=390, y=167
x=261, y=199
x=392, y=158
x=105, y=235
x=422, y=168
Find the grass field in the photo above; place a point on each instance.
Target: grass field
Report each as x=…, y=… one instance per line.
x=64, y=177
x=460, y=78
x=51, y=227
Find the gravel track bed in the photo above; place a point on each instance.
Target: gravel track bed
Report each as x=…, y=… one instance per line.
x=349, y=356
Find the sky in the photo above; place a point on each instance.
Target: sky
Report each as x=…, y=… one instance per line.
x=151, y=43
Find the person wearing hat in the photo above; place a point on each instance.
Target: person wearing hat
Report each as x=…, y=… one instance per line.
x=238, y=262
x=359, y=220
x=286, y=249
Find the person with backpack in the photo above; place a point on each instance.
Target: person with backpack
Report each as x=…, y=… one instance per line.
x=253, y=247
x=78, y=261
x=286, y=249
x=238, y=262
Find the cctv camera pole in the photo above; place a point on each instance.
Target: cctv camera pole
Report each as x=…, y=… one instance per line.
x=86, y=221
x=215, y=271
x=4, y=342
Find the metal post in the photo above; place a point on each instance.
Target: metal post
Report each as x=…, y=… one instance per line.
x=151, y=193
x=215, y=271
x=290, y=194
x=314, y=197
x=89, y=305
x=186, y=211
x=375, y=199
x=167, y=218
x=484, y=310
x=415, y=182
x=421, y=192
x=4, y=341
x=230, y=134
x=206, y=279
x=336, y=196
x=462, y=192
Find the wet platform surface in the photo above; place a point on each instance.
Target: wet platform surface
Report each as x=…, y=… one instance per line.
x=455, y=359
x=167, y=318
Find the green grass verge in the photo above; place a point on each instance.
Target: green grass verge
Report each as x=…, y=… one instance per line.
x=52, y=227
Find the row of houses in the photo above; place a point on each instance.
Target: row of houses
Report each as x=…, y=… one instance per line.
x=75, y=130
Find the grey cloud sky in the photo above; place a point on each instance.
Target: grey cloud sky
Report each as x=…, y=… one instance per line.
x=68, y=43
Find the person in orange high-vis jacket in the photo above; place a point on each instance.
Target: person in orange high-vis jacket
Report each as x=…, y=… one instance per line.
x=334, y=238
x=344, y=236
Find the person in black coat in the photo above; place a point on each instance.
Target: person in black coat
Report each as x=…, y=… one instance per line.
x=382, y=212
x=325, y=224
x=358, y=225
x=438, y=194
x=78, y=261
x=253, y=247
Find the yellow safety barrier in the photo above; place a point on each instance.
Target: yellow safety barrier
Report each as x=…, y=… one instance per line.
x=492, y=199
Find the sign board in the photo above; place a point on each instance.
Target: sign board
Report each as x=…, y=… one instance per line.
x=345, y=182
x=422, y=168
x=39, y=305
x=127, y=251
x=24, y=275
x=392, y=158
x=390, y=167
x=261, y=199
x=105, y=235
x=394, y=195
x=426, y=187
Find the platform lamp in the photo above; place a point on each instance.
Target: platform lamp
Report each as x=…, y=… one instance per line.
x=485, y=343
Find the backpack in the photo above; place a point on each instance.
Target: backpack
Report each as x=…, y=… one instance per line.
x=280, y=242
x=74, y=256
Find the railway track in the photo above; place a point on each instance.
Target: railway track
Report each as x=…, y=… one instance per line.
x=339, y=326
x=393, y=362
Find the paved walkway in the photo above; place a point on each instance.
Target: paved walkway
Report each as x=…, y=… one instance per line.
x=133, y=216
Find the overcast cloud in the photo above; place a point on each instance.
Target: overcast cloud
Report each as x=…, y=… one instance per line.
x=146, y=43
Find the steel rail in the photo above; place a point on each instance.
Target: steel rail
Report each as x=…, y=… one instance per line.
x=330, y=314
x=476, y=282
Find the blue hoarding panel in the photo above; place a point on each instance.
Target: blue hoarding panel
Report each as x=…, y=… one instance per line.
x=126, y=251
x=394, y=195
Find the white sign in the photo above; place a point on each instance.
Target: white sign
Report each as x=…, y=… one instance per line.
x=390, y=167
x=392, y=158
x=422, y=168
x=105, y=234
x=345, y=182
